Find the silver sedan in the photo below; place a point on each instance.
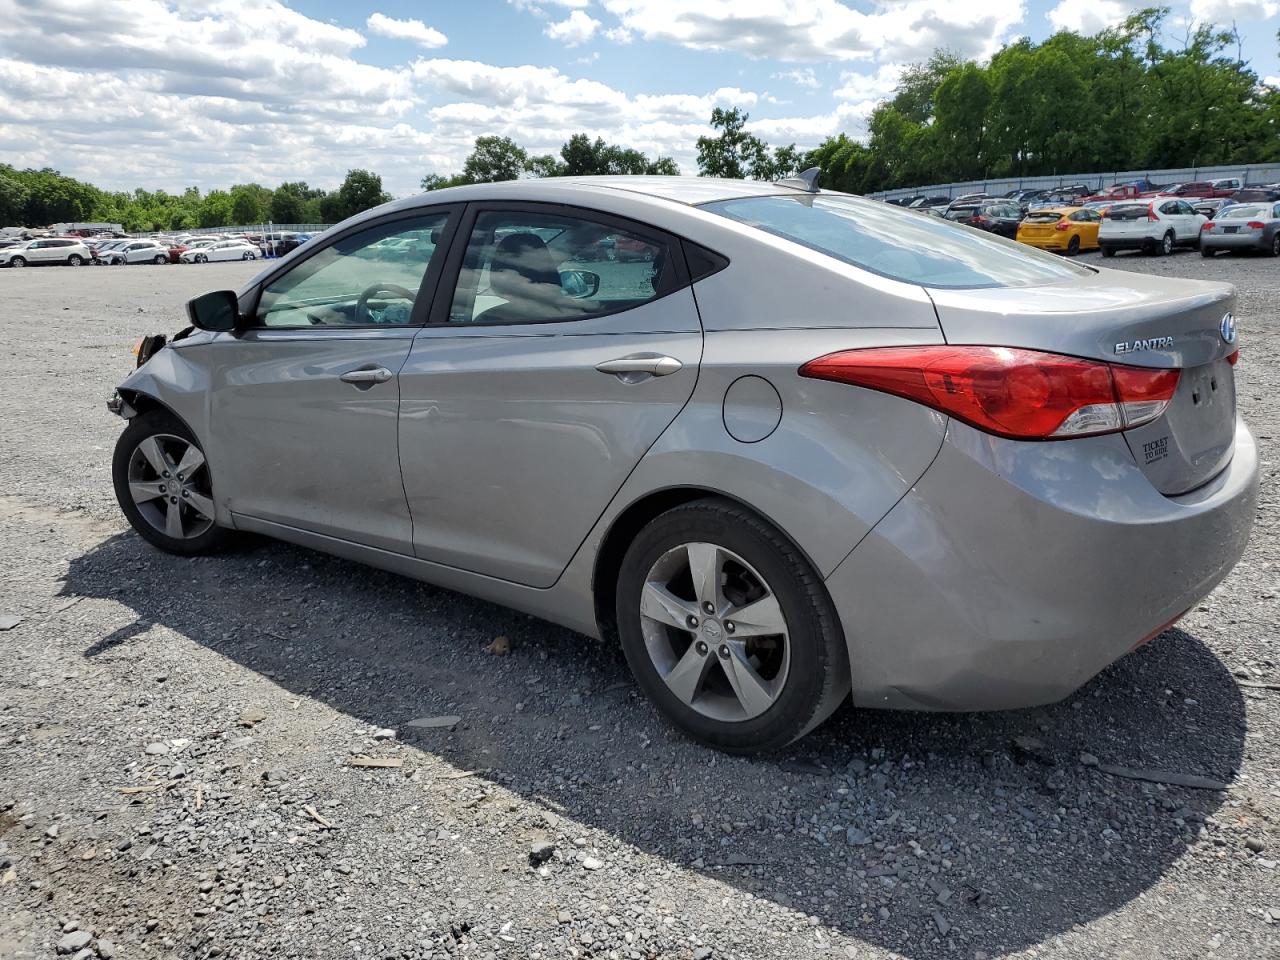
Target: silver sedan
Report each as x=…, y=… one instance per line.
x=1245, y=226
x=795, y=446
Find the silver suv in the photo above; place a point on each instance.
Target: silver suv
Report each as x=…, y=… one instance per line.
x=67, y=250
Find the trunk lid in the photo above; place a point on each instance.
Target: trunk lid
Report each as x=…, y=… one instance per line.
x=1129, y=319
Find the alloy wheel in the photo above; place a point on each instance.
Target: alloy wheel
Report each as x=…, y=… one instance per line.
x=715, y=632
x=169, y=483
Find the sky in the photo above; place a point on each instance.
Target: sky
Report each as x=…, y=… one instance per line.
x=166, y=94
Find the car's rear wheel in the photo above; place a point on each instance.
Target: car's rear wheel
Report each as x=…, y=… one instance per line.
x=75, y=260
x=728, y=629
x=1108, y=251
x=248, y=255
x=18, y=262
x=1275, y=245
x=163, y=485
x=1166, y=244
x=1206, y=252
x=159, y=258
x=1073, y=246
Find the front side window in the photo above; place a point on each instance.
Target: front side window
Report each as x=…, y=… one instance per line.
x=368, y=278
x=876, y=237
x=524, y=267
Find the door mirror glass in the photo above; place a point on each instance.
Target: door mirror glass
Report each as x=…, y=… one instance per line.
x=579, y=283
x=218, y=311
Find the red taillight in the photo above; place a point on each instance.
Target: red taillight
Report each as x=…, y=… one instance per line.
x=1207, y=226
x=1234, y=358
x=1151, y=212
x=1062, y=225
x=1008, y=391
x=1255, y=224
x=977, y=218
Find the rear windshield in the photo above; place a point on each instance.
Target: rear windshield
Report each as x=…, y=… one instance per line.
x=1128, y=211
x=960, y=213
x=1243, y=212
x=897, y=244
x=1041, y=216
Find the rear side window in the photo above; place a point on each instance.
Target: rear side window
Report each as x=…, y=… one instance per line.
x=897, y=244
x=523, y=267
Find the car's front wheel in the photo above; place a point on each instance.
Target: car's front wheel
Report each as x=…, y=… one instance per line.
x=728, y=629
x=18, y=262
x=163, y=485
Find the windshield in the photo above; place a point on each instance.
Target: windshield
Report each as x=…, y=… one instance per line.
x=894, y=243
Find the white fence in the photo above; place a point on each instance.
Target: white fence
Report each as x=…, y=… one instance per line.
x=1249, y=172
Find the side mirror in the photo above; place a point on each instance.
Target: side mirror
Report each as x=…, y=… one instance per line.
x=579, y=284
x=218, y=311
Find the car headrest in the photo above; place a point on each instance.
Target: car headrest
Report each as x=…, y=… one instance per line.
x=519, y=260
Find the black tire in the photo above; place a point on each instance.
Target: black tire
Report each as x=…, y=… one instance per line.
x=18, y=262
x=1073, y=246
x=1166, y=245
x=140, y=428
x=75, y=260
x=1275, y=245
x=201, y=258
x=818, y=677
x=1207, y=252
x=159, y=258
x=1108, y=251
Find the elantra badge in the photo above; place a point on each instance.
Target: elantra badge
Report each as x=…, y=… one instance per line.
x=1228, y=328
x=1154, y=343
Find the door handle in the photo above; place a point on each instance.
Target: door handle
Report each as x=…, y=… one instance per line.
x=655, y=366
x=366, y=376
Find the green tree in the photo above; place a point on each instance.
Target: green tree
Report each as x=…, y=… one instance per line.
x=360, y=191
x=545, y=166
x=13, y=198
x=494, y=159
x=732, y=152
x=250, y=204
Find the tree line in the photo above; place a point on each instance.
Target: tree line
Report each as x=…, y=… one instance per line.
x=37, y=198
x=1121, y=99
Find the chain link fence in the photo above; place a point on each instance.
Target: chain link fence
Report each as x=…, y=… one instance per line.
x=1248, y=172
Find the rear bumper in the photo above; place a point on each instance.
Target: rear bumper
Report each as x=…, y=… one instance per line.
x=1013, y=572
x=1129, y=243
x=1212, y=241
x=1045, y=243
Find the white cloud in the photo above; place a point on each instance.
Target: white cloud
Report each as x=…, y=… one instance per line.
x=1223, y=12
x=823, y=30
x=413, y=30
x=801, y=78
x=573, y=30
x=618, y=35
x=1087, y=18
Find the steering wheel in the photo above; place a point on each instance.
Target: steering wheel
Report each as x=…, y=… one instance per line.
x=363, y=315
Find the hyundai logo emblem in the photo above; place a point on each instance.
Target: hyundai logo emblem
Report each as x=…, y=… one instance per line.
x=1228, y=328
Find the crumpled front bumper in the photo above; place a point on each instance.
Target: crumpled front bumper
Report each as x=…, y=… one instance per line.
x=1014, y=572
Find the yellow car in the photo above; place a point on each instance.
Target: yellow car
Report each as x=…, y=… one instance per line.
x=1069, y=229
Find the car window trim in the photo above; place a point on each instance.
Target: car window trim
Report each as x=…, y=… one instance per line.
x=442, y=302
x=434, y=272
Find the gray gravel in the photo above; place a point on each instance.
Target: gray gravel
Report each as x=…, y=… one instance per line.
x=196, y=730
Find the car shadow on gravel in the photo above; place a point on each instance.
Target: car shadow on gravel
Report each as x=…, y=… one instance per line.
x=921, y=833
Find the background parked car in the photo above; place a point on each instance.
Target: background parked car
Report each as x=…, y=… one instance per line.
x=995, y=216
x=1243, y=226
x=66, y=250
x=100, y=250
x=1210, y=208
x=1066, y=229
x=1156, y=226
x=222, y=250
x=137, y=251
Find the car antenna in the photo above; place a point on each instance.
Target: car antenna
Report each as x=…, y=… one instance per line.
x=806, y=181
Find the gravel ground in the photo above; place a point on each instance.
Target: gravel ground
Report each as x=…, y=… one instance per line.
x=181, y=740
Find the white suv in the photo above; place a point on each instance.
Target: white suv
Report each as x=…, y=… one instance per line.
x=52, y=250
x=138, y=251
x=1156, y=226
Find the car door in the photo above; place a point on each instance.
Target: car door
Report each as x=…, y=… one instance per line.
x=38, y=251
x=305, y=399
x=220, y=251
x=540, y=384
